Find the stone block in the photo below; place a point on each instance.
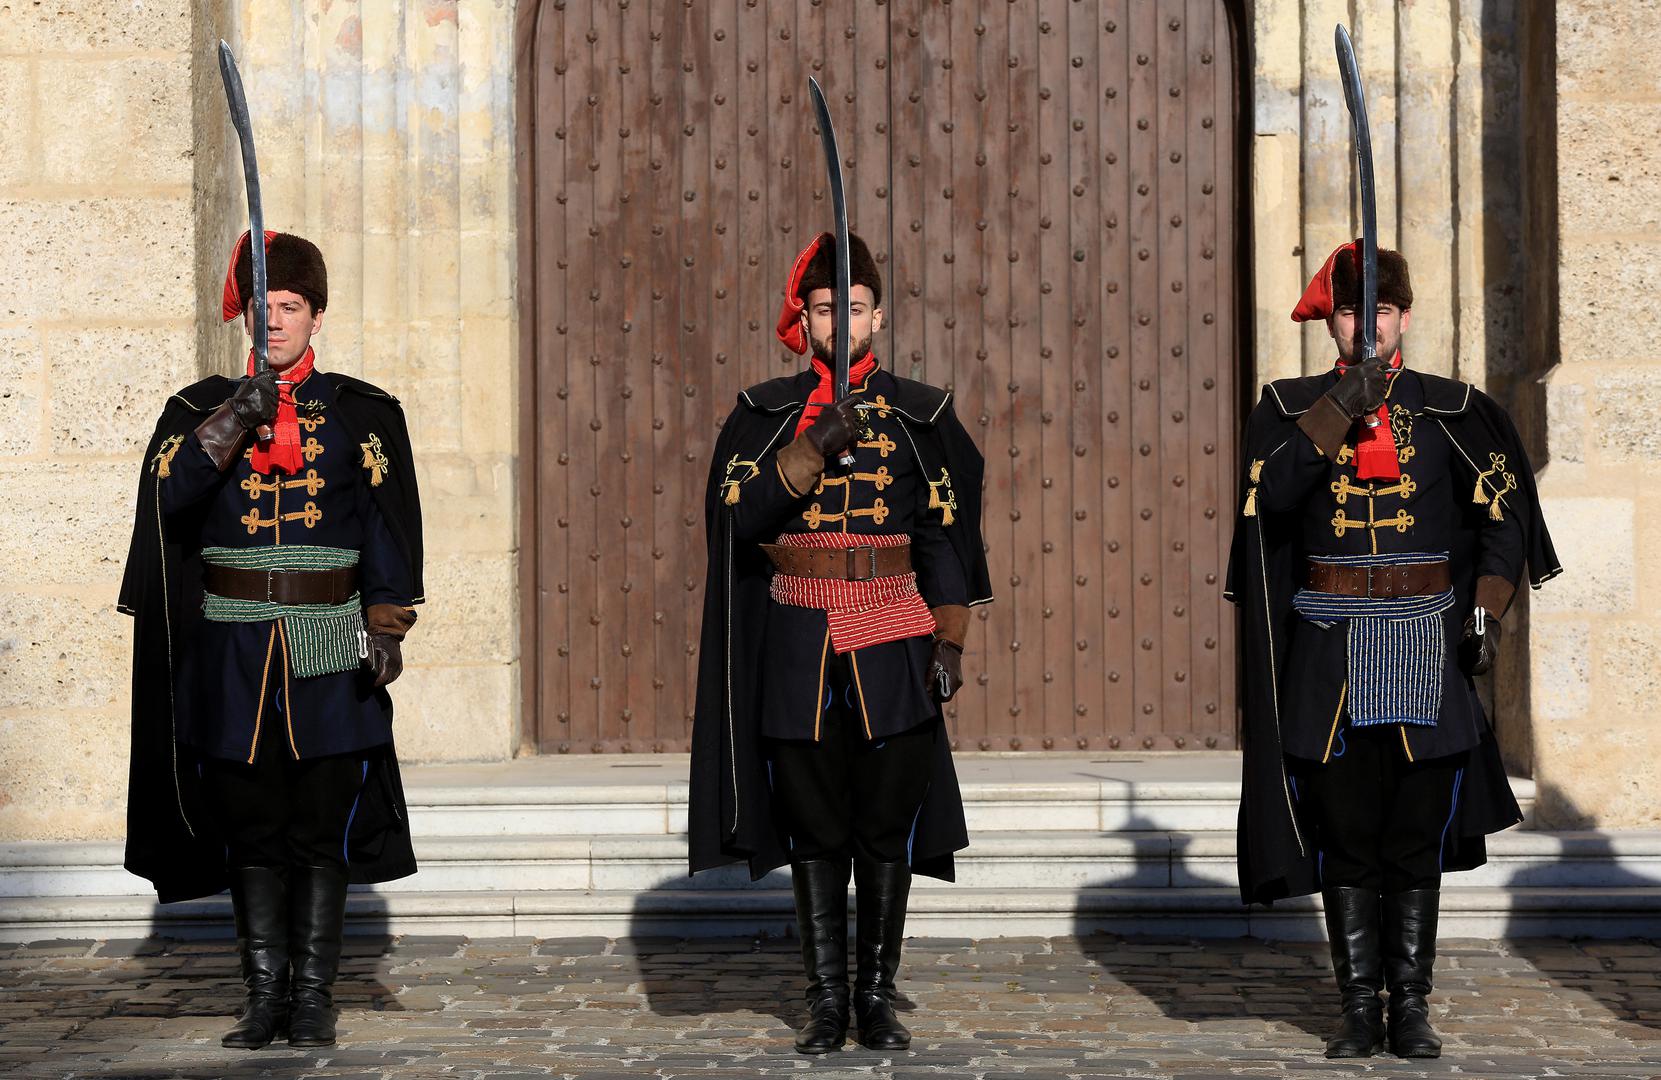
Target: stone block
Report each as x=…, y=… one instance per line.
x=1566, y=421
x=67, y=524
x=470, y=613
x=108, y=386
x=36, y=26
x=490, y=415
x=456, y=713
x=1624, y=412
x=1595, y=54
x=128, y=121
x=1629, y=669
x=1609, y=169
x=1560, y=655
x=63, y=774
x=84, y=257
x=18, y=118
x=63, y=651
x=1595, y=542
x=1610, y=296
x=23, y=394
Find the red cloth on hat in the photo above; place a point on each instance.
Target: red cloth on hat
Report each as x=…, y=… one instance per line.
x=231, y=302
x=790, y=315
x=1375, y=447
x=283, y=451
x=1316, y=302
x=824, y=393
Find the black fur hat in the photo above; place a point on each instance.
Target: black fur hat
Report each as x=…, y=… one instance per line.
x=821, y=269
x=1394, y=284
x=292, y=264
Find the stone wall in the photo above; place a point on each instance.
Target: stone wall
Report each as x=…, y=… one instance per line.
x=1597, y=629
x=385, y=134
x=98, y=301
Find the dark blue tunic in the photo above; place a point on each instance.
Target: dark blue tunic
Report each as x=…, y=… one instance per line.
x=233, y=677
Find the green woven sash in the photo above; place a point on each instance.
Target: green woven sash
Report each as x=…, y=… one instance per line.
x=322, y=638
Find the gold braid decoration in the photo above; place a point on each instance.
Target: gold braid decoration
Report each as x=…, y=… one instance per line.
x=374, y=459
x=946, y=504
x=163, y=462
x=1481, y=496
x=729, y=486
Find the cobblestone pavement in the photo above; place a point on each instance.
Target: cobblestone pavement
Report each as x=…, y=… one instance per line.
x=1090, y=1007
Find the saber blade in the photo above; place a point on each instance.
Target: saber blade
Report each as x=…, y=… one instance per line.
x=844, y=283
x=1355, y=99
x=238, y=102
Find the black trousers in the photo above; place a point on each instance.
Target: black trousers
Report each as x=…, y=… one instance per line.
x=1379, y=820
x=844, y=794
x=281, y=812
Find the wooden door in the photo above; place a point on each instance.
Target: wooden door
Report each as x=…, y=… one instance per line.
x=1051, y=189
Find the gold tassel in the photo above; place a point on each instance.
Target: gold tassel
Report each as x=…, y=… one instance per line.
x=1494, y=511
x=1257, y=472
x=732, y=494
x=164, y=458
x=946, y=517
x=1479, y=496
x=1251, y=503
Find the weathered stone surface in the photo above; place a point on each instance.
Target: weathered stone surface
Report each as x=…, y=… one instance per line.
x=67, y=508
x=110, y=384
x=1594, y=539
x=68, y=260
x=446, y=713
x=127, y=123
x=23, y=394
x=1623, y=410
x=63, y=771
x=470, y=615
x=1611, y=291
x=1594, y=48
x=1561, y=654
x=17, y=121
x=32, y=26
x=1611, y=174
x=66, y=649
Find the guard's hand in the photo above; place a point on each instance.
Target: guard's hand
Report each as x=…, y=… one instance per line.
x=1361, y=389
x=255, y=400
x=386, y=658
x=945, y=670
x=836, y=428
x=1477, y=652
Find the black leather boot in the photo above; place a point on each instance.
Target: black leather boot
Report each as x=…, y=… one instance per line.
x=1352, y=926
x=880, y=893
x=821, y=887
x=317, y=915
x=1409, y=956
x=259, y=898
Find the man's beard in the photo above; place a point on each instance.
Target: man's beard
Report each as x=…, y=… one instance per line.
x=825, y=349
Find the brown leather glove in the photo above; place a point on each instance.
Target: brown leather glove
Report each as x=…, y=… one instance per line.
x=1477, y=652
x=1361, y=388
x=387, y=624
x=945, y=670
x=255, y=400
x=836, y=428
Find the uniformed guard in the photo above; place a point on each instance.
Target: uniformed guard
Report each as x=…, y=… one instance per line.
x=1387, y=518
x=835, y=615
x=272, y=580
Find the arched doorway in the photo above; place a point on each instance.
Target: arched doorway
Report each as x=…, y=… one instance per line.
x=1053, y=191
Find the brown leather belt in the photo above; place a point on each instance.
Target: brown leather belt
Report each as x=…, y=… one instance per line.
x=1379, y=582
x=282, y=586
x=861, y=562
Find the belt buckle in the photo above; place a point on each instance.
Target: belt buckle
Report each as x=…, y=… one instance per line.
x=853, y=568
x=270, y=583
x=1370, y=595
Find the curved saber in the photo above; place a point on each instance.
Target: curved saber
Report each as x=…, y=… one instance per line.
x=844, y=284
x=238, y=102
x=1355, y=99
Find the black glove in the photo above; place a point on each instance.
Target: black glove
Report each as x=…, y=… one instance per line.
x=255, y=400
x=1361, y=389
x=945, y=670
x=1477, y=652
x=386, y=658
x=836, y=428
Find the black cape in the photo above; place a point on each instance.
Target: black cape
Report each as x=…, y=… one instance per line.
x=730, y=812
x=170, y=833
x=1265, y=564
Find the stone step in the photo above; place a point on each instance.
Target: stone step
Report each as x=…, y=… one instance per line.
x=935, y=911
x=994, y=860
x=590, y=795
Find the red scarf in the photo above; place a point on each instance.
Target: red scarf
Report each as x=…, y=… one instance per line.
x=823, y=394
x=1375, y=447
x=283, y=451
